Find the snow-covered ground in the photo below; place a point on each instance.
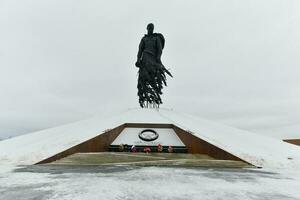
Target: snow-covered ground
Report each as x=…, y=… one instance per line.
x=148, y=183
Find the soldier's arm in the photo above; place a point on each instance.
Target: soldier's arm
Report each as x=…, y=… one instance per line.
x=141, y=48
x=159, y=49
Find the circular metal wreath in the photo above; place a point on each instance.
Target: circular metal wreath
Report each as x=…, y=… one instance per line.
x=152, y=138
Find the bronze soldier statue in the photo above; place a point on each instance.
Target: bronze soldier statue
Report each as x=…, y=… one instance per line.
x=152, y=73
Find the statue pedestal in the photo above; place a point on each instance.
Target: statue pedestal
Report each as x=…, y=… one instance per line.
x=151, y=105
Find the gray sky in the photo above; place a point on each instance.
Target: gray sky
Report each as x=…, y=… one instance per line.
x=234, y=62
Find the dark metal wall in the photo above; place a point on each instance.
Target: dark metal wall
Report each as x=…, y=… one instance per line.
x=99, y=143
x=293, y=141
x=196, y=145
x=148, y=125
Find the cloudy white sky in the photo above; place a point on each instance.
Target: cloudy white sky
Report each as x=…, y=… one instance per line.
x=234, y=62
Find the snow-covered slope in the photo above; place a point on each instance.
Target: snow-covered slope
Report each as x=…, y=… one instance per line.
x=254, y=148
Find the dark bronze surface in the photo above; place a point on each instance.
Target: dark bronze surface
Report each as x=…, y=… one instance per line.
x=152, y=73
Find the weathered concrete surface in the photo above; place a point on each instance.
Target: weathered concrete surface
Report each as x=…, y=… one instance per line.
x=147, y=159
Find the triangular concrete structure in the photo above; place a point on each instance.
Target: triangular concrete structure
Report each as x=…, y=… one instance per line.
x=199, y=136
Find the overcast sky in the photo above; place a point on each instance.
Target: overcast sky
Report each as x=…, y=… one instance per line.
x=234, y=62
